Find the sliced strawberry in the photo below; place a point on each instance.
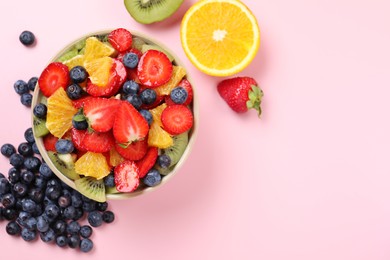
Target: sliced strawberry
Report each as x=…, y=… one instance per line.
x=156, y=103
x=132, y=74
x=49, y=142
x=121, y=39
x=117, y=77
x=100, y=113
x=134, y=151
x=147, y=162
x=154, y=68
x=126, y=176
x=184, y=83
x=79, y=103
x=177, y=119
x=92, y=141
x=129, y=124
x=54, y=76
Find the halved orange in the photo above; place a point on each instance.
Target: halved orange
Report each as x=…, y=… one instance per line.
x=220, y=37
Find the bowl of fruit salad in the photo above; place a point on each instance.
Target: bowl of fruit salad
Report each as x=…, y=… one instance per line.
x=114, y=114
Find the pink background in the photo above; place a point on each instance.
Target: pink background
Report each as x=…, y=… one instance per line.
x=310, y=180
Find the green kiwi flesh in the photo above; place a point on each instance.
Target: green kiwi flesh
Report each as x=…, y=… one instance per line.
x=64, y=163
x=39, y=126
x=150, y=11
x=91, y=188
x=177, y=149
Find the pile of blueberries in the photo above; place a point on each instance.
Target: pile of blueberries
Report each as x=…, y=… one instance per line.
x=36, y=203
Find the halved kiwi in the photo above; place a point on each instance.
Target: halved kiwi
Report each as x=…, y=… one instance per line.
x=64, y=163
x=91, y=188
x=39, y=126
x=175, y=151
x=150, y=11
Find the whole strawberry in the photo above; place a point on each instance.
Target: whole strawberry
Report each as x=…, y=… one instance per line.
x=241, y=94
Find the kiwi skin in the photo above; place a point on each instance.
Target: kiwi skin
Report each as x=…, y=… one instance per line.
x=91, y=188
x=147, y=12
x=65, y=167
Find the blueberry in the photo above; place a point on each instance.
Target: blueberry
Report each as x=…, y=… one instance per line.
x=73, y=227
x=79, y=214
x=164, y=161
x=5, y=186
x=85, y=231
x=27, y=177
x=109, y=180
x=152, y=178
x=69, y=212
x=20, y=189
x=8, y=200
x=35, y=148
x=95, y=218
x=42, y=224
x=25, y=149
x=135, y=100
x=130, y=60
x=28, y=235
x=62, y=241
x=131, y=87
x=76, y=200
x=39, y=181
x=54, y=182
x=64, y=200
x=13, y=228
x=40, y=110
x=31, y=223
x=101, y=206
x=45, y=171
x=89, y=206
x=2, y=175
x=80, y=125
x=13, y=175
x=52, y=211
x=74, y=241
x=147, y=115
x=148, y=96
x=10, y=214
x=86, y=245
x=48, y=236
x=53, y=192
x=36, y=194
x=26, y=99
x=179, y=95
x=64, y=146
x=7, y=150
x=74, y=91
x=16, y=160
x=78, y=74
x=27, y=38
x=108, y=216
x=29, y=135
x=21, y=87
x=59, y=227
x=22, y=218
x=29, y=205
x=32, y=163
x=32, y=82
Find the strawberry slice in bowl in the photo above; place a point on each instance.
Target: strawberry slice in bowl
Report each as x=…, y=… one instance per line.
x=100, y=113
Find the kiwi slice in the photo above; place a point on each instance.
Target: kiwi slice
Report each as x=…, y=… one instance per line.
x=137, y=43
x=163, y=171
x=176, y=150
x=68, y=55
x=91, y=188
x=64, y=163
x=39, y=126
x=150, y=11
x=147, y=47
x=111, y=190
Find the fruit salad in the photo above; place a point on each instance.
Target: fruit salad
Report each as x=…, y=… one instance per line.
x=113, y=114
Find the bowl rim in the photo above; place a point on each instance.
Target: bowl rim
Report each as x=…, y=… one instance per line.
x=192, y=134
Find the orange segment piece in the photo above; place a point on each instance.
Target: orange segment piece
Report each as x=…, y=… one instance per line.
x=95, y=49
x=156, y=113
x=60, y=111
x=99, y=70
x=75, y=61
x=93, y=165
x=158, y=137
x=224, y=45
x=178, y=73
x=115, y=158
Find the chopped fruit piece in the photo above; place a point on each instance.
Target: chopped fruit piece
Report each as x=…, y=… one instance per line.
x=99, y=70
x=158, y=137
x=79, y=103
x=77, y=60
x=60, y=111
x=177, y=119
x=132, y=75
x=100, y=113
x=158, y=101
x=126, y=176
x=184, y=83
x=54, y=76
x=93, y=165
x=118, y=75
x=49, y=142
x=177, y=74
x=129, y=124
x=95, y=49
x=134, y=151
x=154, y=69
x=146, y=163
x=121, y=39
x=93, y=142
x=115, y=157
x=156, y=113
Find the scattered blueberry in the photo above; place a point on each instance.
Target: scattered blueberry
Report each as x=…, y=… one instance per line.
x=59, y=227
x=74, y=91
x=148, y=96
x=179, y=95
x=8, y=200
x=52, y=211
x=85, y=231
x=40, y=110
x=16, y=160
x=64, y=146
x=32, y=82
x=13, y=228
x=13, y=175
x=31, y=223
x=4, y=186
x=62, y=241
x=164, y=161
x=29, y=205
x=95, y=218
x=27, y=38
x=101, y=206
x=45, y=171
x=152, y=178
x=130, y=60
x=10, y=214
x=28, y=235
x=20, y=189
x=21, y=87
x=73, y=227
x=25, y=149
x=78, y=74
x=29, y=135
x=147, y=115
x=69, y=212
x=26, y=99
x=7, y=150
x=86, y=245
x=74, y=241
x=36, y=194
x=135, y=100
x=35, y=148
x=42, y=224
x=131, y=87
x=53, y=192
x=48, y=236
x=64, y=201
x=108, y=216
x=27, y=177
x=32, y=163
